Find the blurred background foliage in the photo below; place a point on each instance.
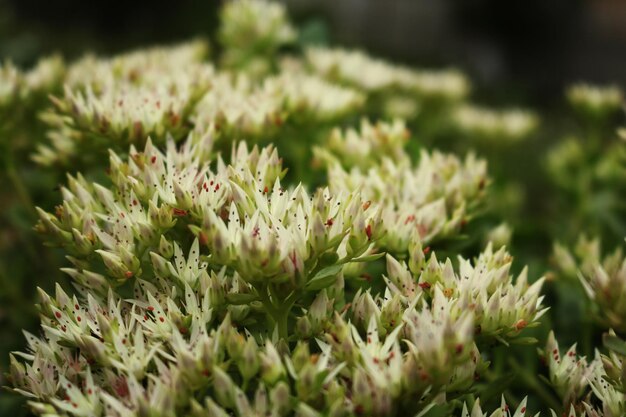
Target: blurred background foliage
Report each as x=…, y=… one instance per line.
x=550, y=186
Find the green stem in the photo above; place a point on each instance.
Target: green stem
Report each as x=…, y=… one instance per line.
x=20, y=188
x=282, y=321
x=278, y=314
x=13, y=175
x=534, y=384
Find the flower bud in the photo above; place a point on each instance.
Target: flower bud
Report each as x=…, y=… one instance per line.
x=272, y=369
x=224, y=388
x=214, y=410
x=280, y=399
x=166, y=249
x=248, y=363
x=161, y=265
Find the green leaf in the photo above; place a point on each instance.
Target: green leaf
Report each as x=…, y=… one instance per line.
x=524, y=341
x=369, y=258
x=329, y=258
x=240, y=299
x=324, y=278
x=614, y=344
x=436, y=410
x=501, y=340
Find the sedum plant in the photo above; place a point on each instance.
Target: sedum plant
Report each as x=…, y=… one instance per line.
x=205, y=286
x=268, y=238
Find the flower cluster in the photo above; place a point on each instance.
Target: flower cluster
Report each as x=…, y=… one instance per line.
x=495, y=126
x=432, y=199
x=578, y=381
x=22, y=87
x=367, y=146
x=501, y=306
x=213, y=277
x=252, y=31
x=269, y=235
x=375, y=75
x=111, y=102
x=603, y=278
x=588, y=166
x=240, y=107
x=194, y=274
x=595, y=100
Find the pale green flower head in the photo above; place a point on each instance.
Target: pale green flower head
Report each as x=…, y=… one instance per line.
x=11, y=80
x=501, y=306
x=499, y=235
x=495, y=126
x=374, y=75
x=430, y=200
x=595, y=100
x=110, y=103
x=569, y=374
x=23, y=90
x=251, y=31
x=366, y=146
x=239, y=106
x=603, y=278
x=142, y=66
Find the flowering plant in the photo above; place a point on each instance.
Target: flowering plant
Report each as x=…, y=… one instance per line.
x=258, y=231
